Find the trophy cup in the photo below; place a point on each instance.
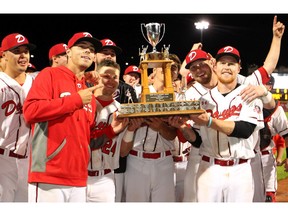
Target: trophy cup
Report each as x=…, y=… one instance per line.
x=161, y=103
x=153, y=33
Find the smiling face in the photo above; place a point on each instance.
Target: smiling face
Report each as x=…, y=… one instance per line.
x=81, y=55
x=109, y=73
x=16, y=59
x=227, y=68
x=201, y=71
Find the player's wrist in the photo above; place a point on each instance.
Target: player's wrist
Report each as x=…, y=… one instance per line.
x=128, y=136
x=266, y=99
x=265, y=90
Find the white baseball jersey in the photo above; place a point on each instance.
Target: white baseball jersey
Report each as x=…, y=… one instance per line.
x=254, y=79
x=231, y=107
x=14, y=132
x=106, y=157
x=277, y=124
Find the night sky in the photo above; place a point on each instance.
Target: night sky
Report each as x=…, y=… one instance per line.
x=250, y=33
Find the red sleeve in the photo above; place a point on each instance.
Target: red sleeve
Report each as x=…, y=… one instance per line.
x=43, y=102
x=108, y=131
x=279, y=141
x=265, y=76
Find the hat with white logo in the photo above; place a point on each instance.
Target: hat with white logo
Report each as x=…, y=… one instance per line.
x=228, y=50
x=14, y=40
x=195, y=55
x=107, y=43
x=57, y=49
x=84, y=36
x=132, y=69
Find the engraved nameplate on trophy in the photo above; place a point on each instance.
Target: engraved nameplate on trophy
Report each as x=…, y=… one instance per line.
x=161, y=103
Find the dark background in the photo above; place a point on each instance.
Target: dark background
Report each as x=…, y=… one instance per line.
x=251, y=34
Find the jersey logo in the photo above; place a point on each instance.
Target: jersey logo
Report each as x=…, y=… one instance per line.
x=116, y=94
x=233, y=111
x=64, y=94
x=10, y=107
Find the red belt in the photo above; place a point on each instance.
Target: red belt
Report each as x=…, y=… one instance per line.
x=150, y=155
x=98, y=172
x=180, y=158
x=12, y=154
x=266, y=152
x=224, y=162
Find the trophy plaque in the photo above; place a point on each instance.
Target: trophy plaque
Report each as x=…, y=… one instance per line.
x=160, y=103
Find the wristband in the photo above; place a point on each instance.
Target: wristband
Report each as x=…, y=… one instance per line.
x=266, y=99
x=265, y=90
x=128, y=136
x=286, y=152
x=209, y=122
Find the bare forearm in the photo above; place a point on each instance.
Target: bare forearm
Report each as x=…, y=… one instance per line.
x=225, y=127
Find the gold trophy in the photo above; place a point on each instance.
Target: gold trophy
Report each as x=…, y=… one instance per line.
x=160, y=103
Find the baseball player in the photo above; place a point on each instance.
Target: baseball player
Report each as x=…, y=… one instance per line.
x=61, y=113
x=224, y=173
x=149, y=176
x=57, y=55
x=14, y=131
x=123, y=94
x=2, y=61
x=279, y=148
x=105, y=150
x=132, y=76
x=275, y=123
x=208, y=80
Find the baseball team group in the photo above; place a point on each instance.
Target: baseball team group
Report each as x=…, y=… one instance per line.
x=61, y=139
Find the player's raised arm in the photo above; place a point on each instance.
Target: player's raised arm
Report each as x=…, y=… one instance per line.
x=274, y=52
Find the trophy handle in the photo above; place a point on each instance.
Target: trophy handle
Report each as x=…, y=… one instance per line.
x=162, y=24
x=142, y=24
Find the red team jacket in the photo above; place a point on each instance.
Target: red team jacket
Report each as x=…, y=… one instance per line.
x=61, y=128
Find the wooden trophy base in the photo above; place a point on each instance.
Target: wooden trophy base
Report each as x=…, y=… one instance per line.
x=154, y=109
x=161, y=103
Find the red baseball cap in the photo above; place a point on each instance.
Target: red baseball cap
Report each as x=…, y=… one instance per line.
x=195, y=55
x=228, y=50
x=132, y=69
x=14, y=40
x=107, y=43
x=189, y=78
x=57, y=49
x=84, y=36
x=31, y=67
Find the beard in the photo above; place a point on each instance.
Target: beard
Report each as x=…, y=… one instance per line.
x=226, y=80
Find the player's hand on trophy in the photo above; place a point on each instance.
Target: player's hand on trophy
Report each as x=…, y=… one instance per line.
x=200, y=119
x=155, y=123
x=177, y=121
x=119, y=124
x=135, y=123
